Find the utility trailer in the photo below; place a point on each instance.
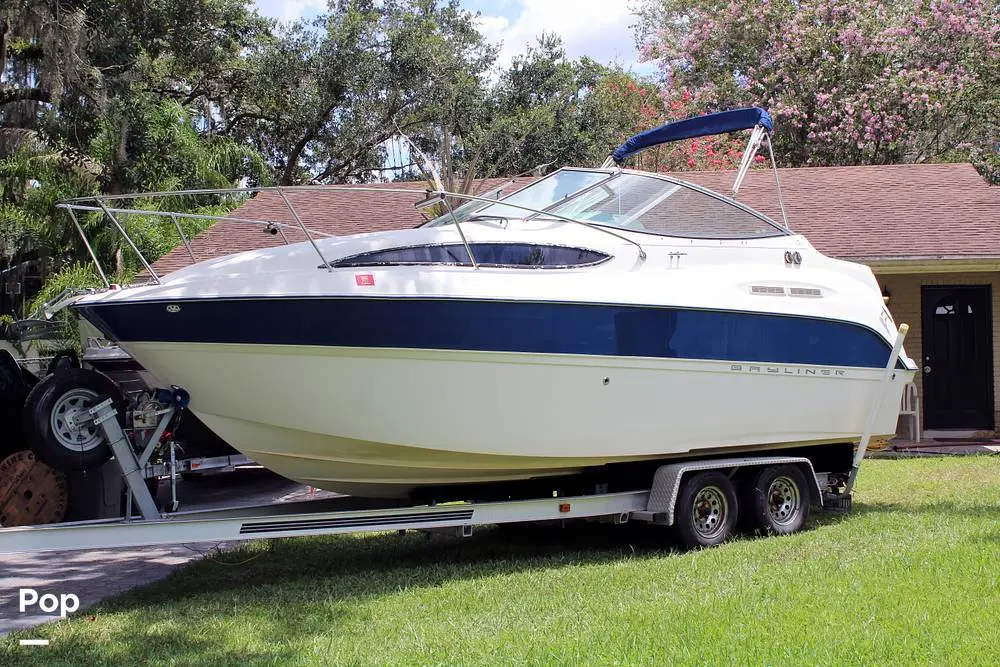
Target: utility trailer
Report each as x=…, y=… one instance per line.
x=702, y=499
x=34, y=489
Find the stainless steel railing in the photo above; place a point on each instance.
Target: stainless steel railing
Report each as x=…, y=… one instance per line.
x=105, y=204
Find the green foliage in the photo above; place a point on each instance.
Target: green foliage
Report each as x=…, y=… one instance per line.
x=320, y=99
x=545, y=109
x=164, y=150
x=32, y=180
x=107, y=97
x=72, y=276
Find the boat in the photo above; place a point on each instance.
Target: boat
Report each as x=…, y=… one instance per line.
x=597, y=317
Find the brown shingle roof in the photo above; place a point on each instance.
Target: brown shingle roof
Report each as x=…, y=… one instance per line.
x=879, y=212
x=861, y=213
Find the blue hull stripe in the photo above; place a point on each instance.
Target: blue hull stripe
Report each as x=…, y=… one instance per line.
x=510, y=326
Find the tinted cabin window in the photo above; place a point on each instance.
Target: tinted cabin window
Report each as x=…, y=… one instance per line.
x=511, y=255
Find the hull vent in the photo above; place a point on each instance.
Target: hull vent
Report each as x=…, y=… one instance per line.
x=767, y=290
x=808, y=292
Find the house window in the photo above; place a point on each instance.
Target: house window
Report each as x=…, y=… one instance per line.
x=506, y=255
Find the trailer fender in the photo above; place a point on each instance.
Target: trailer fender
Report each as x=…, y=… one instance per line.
x=667, y=481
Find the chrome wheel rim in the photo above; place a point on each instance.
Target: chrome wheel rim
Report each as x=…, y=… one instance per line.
x=709, y=512
x=72, y=426
x=783, y=501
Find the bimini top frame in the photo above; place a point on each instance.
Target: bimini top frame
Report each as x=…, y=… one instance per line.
x=750, y=118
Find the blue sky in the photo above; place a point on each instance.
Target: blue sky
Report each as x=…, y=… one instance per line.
x=600, y=29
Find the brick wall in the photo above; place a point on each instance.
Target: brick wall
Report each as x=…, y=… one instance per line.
x=904, y=303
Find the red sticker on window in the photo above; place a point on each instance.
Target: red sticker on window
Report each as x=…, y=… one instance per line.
x=364, y=279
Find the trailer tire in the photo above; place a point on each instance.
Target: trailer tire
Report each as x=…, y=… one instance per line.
x=706, y=510
x=48, y=412
x=776, y=501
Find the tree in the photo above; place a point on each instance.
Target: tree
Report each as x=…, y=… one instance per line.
x=544, y=110
x=848, y=81
x=536, y=112
x=321, y=99
x=104, y=96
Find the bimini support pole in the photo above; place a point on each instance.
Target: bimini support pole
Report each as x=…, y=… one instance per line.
x=777, y=184
x=890, y=373
x=748, y=154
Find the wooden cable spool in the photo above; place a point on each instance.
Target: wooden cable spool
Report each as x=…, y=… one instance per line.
x=31, y=492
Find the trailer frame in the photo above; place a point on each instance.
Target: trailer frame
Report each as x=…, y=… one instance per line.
x=342, y=515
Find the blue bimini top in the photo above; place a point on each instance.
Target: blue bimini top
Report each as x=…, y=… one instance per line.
x=698, y=126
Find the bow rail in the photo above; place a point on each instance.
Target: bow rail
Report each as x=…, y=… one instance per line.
x=106, y=205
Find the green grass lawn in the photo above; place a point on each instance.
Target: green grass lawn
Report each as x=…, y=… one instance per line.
x=910, y=576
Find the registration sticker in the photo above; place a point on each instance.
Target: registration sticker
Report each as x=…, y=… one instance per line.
x=364, y=279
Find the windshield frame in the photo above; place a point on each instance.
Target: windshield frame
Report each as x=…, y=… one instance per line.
x=612, y=175
x=448, y=219
x=780, y=230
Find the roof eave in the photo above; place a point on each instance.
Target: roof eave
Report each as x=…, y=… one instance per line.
x=930, y=263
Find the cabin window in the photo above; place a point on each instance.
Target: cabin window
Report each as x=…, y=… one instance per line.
x=646, y=204
x=508, y=255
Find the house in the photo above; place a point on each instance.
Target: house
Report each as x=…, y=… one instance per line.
x=931, y=234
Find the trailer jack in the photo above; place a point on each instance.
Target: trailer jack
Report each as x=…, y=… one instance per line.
x=104, y=415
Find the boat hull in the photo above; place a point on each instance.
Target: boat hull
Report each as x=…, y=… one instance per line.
x=386, y=421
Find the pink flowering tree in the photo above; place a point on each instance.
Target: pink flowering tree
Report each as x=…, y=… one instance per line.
x=847, y=81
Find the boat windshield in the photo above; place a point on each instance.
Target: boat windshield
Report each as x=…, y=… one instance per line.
x=539, y=195
x=654, y=205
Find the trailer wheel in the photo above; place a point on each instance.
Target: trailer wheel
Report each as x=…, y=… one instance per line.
x=706, y=510
x=777, y=500
x=55, y=423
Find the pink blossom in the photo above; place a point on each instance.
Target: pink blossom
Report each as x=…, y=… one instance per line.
x=860, y=81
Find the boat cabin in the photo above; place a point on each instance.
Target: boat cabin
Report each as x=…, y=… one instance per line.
x=930, y=233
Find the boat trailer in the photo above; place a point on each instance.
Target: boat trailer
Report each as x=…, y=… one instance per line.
x=679, y=491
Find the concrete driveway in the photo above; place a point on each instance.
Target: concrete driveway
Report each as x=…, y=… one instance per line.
x=98, y=574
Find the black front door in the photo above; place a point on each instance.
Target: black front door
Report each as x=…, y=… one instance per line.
x=957, y=357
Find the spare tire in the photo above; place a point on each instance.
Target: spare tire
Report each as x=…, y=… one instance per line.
x=56, y=424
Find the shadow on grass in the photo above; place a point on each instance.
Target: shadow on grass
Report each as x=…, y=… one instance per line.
x=300, y=589
x=433, y=557
x=305, y=592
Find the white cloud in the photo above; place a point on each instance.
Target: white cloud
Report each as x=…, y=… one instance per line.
x=596, y=28
x=600, y=29
x=289, y=10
